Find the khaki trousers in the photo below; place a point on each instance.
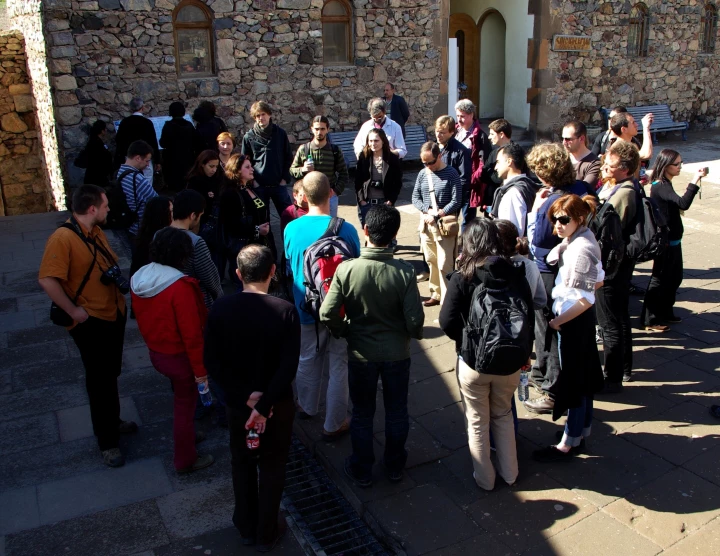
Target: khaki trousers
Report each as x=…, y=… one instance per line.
x=440, y=253
x=487, y=402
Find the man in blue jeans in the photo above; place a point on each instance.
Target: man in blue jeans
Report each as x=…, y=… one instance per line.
x=374, y=302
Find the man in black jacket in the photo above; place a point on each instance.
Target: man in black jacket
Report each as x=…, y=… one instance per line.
x=137, y=127
x=397, y=108
x=258, y=392
x=268, y=147
x=456, y=155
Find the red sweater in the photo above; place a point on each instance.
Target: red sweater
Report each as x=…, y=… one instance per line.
x=173, y=321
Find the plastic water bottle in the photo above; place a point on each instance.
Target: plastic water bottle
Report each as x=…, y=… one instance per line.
x=523, y=387
x=310, y=160
x=205, y=395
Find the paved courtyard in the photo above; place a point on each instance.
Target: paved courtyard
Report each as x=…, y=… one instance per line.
x=648, y=484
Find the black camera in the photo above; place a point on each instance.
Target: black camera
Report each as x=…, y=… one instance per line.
x=377, y=184
x=113, y=275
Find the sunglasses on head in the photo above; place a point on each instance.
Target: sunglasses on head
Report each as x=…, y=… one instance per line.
x=564, y=220
x=433, y=161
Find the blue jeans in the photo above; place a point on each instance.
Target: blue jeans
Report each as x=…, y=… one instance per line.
x=362, y=380
x=279, y=195
x=579, y=422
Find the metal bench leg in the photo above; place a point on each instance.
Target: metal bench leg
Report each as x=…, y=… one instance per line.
x=654, y=137
x=684, y=134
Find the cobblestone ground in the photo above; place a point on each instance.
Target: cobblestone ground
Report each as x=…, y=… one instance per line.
x=649, y=482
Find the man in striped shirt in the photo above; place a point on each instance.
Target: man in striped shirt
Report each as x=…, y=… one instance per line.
x=439, y=250
x=135, y=185
x=322, y=156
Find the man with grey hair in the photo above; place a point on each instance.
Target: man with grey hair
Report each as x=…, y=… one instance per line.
x=378, y=120
x=396, y=107
x=471, y=135
x=137, y=127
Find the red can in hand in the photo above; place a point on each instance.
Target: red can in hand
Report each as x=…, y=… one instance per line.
x=253, y=440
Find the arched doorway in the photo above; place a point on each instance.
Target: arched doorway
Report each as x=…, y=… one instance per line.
x=464, y=29
x=492, y=66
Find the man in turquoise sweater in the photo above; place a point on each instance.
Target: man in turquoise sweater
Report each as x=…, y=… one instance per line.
x=382, y=312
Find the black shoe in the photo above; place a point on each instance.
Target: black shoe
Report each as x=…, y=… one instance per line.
x=395, y=476
x=672, y=318
x=281, y=528
x=611, y=388
x=627, y=377
x=127, y=427
x=362, y=482
x=551, y=454
x=575, y=449
x=715, y=411
x=544, y=404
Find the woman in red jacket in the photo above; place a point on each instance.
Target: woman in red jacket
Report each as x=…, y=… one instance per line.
x=171, y=316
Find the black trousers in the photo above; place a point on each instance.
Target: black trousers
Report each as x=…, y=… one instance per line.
x=100, y=343
x=612, y=302
x=259, y=475
x=667, y=275
x=546, y=368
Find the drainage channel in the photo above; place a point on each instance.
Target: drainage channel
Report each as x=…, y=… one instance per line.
x=328, y=522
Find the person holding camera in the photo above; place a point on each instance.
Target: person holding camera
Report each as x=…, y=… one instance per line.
x=378, y=176
x=79, y=273
x=667, y=272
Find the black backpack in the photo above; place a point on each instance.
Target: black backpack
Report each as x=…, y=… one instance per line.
x=649, y=236
x=607, y=228
x=121, y=217
x=528, y=189
x=499, y=331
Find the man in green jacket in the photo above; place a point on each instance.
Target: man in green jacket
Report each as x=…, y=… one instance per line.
x=374, y=302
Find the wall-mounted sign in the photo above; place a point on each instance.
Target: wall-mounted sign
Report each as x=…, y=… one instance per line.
x=571, y=43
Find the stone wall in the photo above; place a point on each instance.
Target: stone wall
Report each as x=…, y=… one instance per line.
x=104, y=52
x=673, y=73
x=25, y=16
x=22, y=178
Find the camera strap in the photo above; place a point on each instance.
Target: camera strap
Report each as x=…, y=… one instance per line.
x=75, y=226
x=92, y=264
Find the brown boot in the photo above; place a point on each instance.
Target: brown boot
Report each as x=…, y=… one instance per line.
x=543, y=404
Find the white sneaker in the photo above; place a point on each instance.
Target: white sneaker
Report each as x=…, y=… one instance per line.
x=423, y=277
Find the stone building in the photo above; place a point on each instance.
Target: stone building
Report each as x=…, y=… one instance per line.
x=536, y=62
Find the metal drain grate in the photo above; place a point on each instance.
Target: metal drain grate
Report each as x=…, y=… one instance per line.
x=328, y=522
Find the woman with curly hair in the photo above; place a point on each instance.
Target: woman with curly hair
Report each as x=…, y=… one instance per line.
x=552, y=165
x=244, y=218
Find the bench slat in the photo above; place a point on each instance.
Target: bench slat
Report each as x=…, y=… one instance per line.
x=414, y=138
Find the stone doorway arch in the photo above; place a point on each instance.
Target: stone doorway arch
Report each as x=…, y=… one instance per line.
x=465, y=30
x=492, y=29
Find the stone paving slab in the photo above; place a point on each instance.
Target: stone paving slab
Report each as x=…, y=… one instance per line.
x=678, y=434
x=195, y=511
x=598, y=535
x=35, y=431
x=19, y=510
x=75, y=422
x=670, y=508
x=524, y=517
x=700, y=543
x=130, y=529
x=67, y=498
x=424, y=519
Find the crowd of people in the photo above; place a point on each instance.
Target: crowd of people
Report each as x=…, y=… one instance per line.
x=516, y=250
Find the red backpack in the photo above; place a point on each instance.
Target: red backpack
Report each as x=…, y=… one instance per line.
x=320, y=262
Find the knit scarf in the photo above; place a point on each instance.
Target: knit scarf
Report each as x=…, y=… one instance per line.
x=264, y=134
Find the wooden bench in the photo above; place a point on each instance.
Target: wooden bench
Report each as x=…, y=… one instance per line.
x=414, y=138
x=662, y=120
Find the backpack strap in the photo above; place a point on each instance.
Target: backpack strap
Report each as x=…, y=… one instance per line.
x=122, y=176
x=333, y=228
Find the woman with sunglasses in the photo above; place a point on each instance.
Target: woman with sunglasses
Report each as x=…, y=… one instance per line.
x=378, y=176
x=243, y=217
x=667, y=272
x=580, y=273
